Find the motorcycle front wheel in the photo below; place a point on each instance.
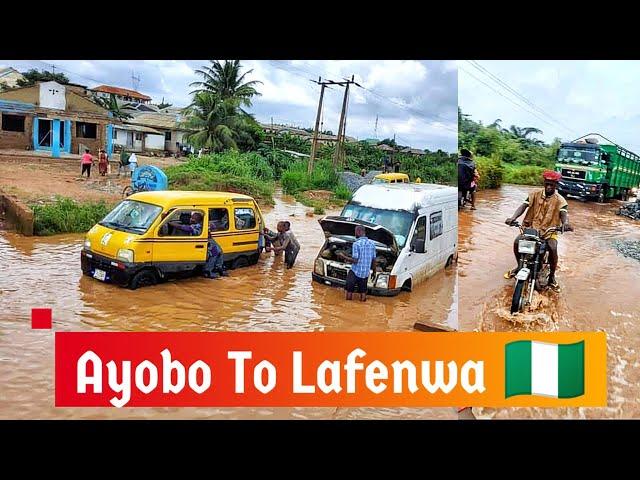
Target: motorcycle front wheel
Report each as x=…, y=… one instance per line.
x=517, y=302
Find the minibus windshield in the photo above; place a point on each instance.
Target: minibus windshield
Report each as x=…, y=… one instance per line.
x=132, y=216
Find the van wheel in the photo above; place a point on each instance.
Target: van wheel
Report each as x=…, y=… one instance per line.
x=240, y=262
x=449, y=261
x=143, y=278
x=406, y=286
x=254, y=258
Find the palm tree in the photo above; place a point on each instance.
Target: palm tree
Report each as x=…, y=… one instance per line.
x=215, y=123
x=496, y=124
x=112, y=105
x=225, y=80
x=526, y=131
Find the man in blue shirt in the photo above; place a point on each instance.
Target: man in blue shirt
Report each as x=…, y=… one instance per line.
x=195, y=226
x=363, y=260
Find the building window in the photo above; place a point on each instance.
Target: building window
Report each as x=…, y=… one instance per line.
x=167, y=136
x=12, y=123
x=115, y=134
x=86, y=130
x=435, y=224
x=139, y=136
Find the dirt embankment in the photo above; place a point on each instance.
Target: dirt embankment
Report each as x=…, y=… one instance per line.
x=36, y=179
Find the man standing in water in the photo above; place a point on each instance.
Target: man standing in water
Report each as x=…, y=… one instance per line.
x=546, y=209
x=363, y=260
x=466, y=170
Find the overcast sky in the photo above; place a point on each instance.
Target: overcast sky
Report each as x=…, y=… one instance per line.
x=580, y=97
x=416, y=100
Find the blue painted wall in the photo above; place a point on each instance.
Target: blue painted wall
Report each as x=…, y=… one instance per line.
x=55, y=138
x=35, y=133
x=109, y=140
x=67, y=136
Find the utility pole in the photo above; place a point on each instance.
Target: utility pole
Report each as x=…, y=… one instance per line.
x=375, y=130
x=337, y=159
x=314, y=145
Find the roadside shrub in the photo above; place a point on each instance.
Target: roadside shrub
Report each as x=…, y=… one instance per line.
x=65, y=215
x=491, y=172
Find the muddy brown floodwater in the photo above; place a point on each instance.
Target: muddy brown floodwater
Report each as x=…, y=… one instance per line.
x=600, y=291
x=45, y=272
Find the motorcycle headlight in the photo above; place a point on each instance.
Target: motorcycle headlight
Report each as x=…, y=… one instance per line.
x=319, y=266
x=527, y=246
x=87, y=244
x=125, y=255
x=382, y=281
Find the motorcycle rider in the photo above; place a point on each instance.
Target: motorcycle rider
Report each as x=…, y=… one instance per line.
x=546, y=209
x=466, y=170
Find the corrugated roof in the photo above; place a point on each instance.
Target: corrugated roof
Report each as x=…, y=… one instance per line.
x=139, y=128
x=156, y=120
x=16, y=106
x=125, y=92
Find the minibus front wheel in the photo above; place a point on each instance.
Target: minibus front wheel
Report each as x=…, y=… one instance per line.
x=144, y=278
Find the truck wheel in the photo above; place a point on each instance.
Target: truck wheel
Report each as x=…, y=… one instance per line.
x=143, y=278
x=517, y=302
x=601, y=197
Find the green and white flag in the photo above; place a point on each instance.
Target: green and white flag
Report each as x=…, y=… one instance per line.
x=547, y=369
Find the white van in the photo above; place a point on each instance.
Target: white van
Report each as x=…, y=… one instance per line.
x=414, y=227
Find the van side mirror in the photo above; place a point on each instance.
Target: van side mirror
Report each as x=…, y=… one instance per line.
x=418, y=245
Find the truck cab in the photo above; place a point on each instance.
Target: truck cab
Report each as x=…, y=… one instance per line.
x=597, y=171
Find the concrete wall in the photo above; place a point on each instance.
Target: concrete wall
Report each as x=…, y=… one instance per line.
x=17, y=214
x=154, y=142
x=93, y=144
x=18, y=140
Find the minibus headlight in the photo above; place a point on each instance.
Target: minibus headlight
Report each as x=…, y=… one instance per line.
x=87, y=244
x=382, y=281
x=125, y=255
x=319, y=266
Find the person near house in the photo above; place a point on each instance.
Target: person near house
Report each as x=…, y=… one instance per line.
x=387, y=164
x=363, y=260
x=396, y=166
x=133, y=163
x=103, y=162
x=86, y=162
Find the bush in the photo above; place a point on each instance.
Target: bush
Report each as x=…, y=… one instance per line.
x=217, y=182
x=342, y=192
x=524, y=175
x=67, y=216
x=318, y=210
x=491, y=172
x=295, y=179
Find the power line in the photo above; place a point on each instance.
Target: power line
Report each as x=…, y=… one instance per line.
x=505, y=97
x=429, y=117
x=503, y=84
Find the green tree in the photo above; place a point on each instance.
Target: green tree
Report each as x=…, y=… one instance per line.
x=162, y=104
x=112, y=105
x=31, y=77
x=219, y=124
x=225, y=80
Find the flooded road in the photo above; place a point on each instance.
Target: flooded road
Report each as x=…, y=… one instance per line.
x=45, y=272
x=600, y=290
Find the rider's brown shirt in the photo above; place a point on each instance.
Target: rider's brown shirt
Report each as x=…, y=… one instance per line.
x=544, y=211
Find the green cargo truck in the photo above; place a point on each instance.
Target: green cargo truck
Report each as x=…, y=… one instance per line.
x=597, y=170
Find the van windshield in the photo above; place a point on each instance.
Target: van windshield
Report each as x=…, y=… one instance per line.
x=131, y=216
x=396, y=221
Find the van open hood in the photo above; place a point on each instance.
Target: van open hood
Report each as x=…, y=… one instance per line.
x=343, y=226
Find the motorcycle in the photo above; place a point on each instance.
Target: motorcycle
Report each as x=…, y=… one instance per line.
x=533, y=265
